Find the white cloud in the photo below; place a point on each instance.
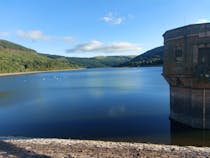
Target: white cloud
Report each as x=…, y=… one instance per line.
x=199, y=21
x=36, y=35
x=86, y=47
x=131, y=16
x=33, y=35
x=68, y=39
x=113, y=19
x=97, y=46
x=4, y=34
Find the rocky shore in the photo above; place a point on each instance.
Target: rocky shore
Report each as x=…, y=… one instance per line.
x=67, y=148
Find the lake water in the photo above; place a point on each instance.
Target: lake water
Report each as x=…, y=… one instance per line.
x=118, y=104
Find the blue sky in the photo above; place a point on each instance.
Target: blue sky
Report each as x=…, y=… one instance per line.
x=88, y=28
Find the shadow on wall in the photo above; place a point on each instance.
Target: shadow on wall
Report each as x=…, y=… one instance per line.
x=8, y=149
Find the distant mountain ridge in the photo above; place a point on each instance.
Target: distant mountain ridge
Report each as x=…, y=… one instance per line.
x=93, y=62
x=13, y=46
x=17, y=58
x=152, y=57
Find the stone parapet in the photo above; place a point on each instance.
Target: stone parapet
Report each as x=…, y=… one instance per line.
x=199, y=30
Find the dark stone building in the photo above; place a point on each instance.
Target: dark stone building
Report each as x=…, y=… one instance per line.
x=187, y=70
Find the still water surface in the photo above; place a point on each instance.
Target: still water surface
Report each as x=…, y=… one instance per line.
x=119, y=104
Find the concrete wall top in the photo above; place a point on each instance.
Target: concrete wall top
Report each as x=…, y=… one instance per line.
x=187, y=30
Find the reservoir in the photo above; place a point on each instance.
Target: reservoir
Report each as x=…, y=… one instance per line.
x=117, y=104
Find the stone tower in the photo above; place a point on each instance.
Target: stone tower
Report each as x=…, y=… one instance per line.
x=187, y=70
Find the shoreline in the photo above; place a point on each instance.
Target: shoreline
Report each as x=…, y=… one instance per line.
x=53, y=147
x=35, y=72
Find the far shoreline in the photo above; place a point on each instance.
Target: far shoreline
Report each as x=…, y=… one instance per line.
x=35, y=72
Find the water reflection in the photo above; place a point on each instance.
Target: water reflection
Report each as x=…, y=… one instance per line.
x=126, y=104
x=5, y=98
x=3, y=94
x=187, y=136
